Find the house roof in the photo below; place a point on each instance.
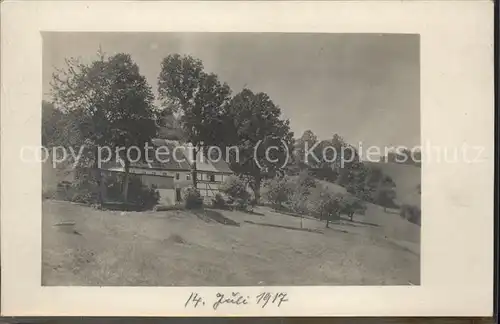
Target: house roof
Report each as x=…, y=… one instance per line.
x=222, y=166
x=172, y=155
x=203, y=163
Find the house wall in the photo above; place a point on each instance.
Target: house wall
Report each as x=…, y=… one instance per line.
x=207, y=176
x=182, y=179
x=167, y=197
x=168, y=181
x=209, y=183
x=160, y=182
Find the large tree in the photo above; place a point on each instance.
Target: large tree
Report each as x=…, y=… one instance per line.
x=258, y=131
x=170, y=126
x=52, y=124
x=113, y=104
x=200, y=99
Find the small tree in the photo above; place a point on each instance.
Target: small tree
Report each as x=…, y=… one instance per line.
x=351, y=206
x=300, y=192
x=329, y=206
x=279, y=191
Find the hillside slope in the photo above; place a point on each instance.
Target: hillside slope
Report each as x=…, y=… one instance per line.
x=88, y=247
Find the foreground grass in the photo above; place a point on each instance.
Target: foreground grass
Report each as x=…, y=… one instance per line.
x=84, y=246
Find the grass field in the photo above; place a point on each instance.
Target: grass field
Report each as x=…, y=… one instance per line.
x=85, y=246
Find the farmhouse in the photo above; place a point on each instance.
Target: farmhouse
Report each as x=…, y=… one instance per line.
x=170, y=171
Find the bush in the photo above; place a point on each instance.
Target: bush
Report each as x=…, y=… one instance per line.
x=141, y=195
x=237, y=191
x=411, y=213
x=235, y=188
x=192, y=198
x=219, y=202
x=84, y=191
x=138, y=194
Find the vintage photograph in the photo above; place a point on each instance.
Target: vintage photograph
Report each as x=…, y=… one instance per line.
x=247, y=159
x=230, y=159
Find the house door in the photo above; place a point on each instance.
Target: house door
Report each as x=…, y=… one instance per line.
x=178, y=194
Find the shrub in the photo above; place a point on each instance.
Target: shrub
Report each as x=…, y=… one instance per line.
x=219, y=202
x=141, y=195
x=411, y=213
x=237, y=191
x=85, y=190
x=235, y=188
x=192, y=198
x=138, y=194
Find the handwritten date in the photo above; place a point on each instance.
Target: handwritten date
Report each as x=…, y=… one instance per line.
x=237, y=299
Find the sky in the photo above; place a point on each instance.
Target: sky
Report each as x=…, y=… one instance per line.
x=364, y=87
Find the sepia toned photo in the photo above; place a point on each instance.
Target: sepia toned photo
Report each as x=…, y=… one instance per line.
x=247, y=158
x=307, y=168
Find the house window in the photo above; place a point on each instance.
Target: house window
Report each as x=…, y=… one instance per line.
x=212, y=178
x=188, y=177
x=177, y=176
x=165, y=174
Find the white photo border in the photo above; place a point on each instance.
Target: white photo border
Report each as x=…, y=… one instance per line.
x=456, y=43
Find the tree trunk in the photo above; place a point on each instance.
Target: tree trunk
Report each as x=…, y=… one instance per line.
x=98, y=177
x=126, y=181
x=327, y=223
x=351, y=216
x=194, y=174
